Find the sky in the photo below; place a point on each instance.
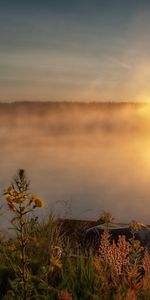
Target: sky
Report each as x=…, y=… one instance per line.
x=75, y=50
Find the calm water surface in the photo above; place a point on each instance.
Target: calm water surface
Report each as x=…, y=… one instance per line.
x=82, y=159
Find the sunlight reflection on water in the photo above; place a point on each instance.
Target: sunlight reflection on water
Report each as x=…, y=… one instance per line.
x=81, y=161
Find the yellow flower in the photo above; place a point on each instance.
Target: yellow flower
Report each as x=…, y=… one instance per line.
x=39, y=202
x=33, y=197
x=19, y=197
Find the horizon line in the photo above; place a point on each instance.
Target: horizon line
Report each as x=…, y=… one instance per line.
x=72, y=102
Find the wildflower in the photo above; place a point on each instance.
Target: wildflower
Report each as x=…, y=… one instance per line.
x=39, y=202
x=19, y=197
x=120, y=255
x=115, y=256
x=20, y=202
x=32, y=198
x=105, y=243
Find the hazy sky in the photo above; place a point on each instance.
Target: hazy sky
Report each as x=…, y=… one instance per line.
x=77, y=50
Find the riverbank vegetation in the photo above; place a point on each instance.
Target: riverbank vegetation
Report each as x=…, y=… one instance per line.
x=47, y=260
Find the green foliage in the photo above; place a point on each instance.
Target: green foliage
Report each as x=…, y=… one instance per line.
x=78, y=276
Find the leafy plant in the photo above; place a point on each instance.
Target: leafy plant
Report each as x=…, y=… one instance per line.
x=21, y=203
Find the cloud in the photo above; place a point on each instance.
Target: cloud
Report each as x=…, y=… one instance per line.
x=118, y=62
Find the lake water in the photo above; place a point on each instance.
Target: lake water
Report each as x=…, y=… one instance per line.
x=82, y=159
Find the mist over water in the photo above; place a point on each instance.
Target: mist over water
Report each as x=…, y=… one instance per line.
x=81, y=158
